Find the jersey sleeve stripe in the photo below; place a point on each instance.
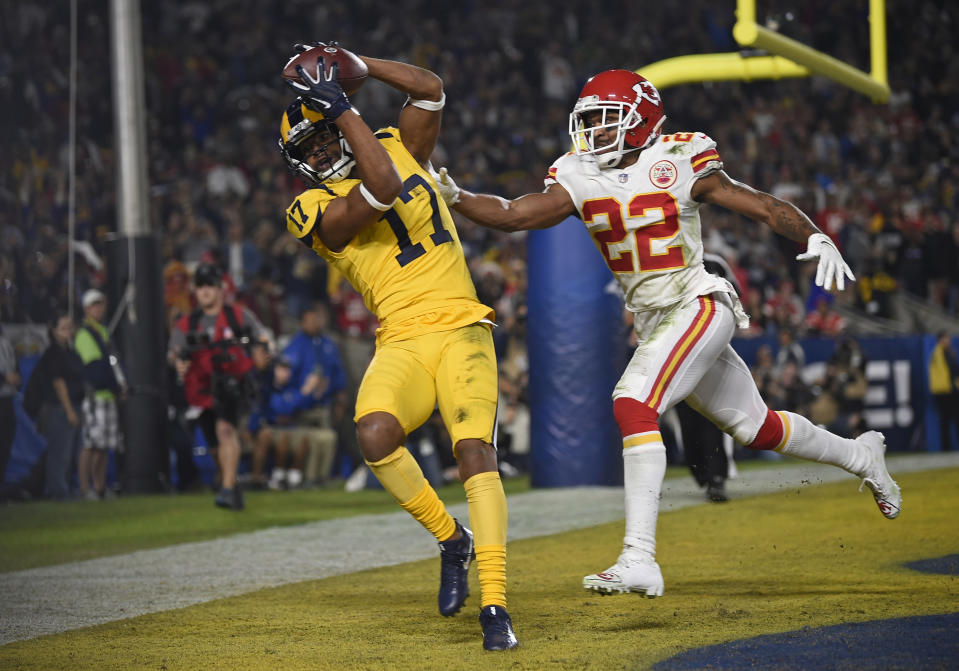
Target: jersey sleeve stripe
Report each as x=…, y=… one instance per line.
x=700, y=161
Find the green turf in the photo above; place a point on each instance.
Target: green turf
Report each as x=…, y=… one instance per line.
x=808, y=557
x=44, y=532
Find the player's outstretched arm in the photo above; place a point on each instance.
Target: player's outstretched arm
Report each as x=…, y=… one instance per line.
x=781, y=216
x=420, y=118
x=532, y=211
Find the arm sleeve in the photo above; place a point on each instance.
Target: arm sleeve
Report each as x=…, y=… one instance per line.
x=704, y=159
x=257, y=329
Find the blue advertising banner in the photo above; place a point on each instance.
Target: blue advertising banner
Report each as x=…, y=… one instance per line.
x=897, y=399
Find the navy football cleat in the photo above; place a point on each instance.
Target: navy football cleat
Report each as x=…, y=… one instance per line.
x=497, y=629
x=455, y=558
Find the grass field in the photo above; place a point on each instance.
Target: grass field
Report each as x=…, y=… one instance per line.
x=804, y=558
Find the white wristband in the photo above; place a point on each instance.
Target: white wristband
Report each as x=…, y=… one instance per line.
x=374, y=203
x=428, y=105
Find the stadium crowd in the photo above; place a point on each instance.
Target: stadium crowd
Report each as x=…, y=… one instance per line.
x=881, y=180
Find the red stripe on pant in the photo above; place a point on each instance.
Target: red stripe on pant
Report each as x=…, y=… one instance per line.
x=692, y=335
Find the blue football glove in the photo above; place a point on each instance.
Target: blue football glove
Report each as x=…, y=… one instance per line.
x=321, y=92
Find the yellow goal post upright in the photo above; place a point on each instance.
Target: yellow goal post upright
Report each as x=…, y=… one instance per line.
x=784, y=57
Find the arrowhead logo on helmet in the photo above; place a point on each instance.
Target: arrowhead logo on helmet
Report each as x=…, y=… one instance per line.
x=617, y=103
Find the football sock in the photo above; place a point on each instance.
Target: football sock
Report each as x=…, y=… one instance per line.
x=401, y=476
x=488, y=518
x=644, y=466
x=803, y=439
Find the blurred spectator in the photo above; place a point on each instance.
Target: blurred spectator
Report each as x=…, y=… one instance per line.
x=789, y=351
x=784, y=309
x=824, y=321
x=944, y=387
x=9, y=384
x=176, y=289
x=841, y=392
x=703, y=445
x=180, y=434
x=101, y=424
x=318, y=369
x=764, y=370
x=275, y=423
x=209, y=348
x=59, y=380
x=788, y=391
x=514, y=420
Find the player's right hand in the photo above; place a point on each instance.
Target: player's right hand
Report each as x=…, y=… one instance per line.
x=321, y=92
x=449, y=192
x=832, y=268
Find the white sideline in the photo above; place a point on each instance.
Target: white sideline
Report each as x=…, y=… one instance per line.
x=54, y=599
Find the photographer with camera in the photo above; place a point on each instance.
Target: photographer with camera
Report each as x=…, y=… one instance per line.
x=210, y=349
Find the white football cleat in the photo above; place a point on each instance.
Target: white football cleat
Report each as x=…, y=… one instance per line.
x=628, y=574
x=876, y=476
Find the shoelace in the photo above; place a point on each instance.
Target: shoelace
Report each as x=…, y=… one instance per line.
x=452, y=561
x=496, y=624
x=873, y=486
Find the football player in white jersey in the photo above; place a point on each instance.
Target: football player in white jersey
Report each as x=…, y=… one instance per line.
x=639, y=192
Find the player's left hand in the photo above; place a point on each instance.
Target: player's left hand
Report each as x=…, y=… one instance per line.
x=449, y=192
x=322, y=92
x=832, y=267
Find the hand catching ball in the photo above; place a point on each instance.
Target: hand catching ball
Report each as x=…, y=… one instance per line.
x=351, y=70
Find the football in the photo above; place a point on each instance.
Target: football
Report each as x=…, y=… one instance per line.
x=351, y=72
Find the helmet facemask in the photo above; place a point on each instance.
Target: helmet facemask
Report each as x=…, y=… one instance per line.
x=627, y=122
x=298, y=136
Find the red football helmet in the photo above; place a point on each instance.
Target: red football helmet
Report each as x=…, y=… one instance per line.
x=639, y=115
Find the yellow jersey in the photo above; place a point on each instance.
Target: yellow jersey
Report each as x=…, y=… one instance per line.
x=409, y=265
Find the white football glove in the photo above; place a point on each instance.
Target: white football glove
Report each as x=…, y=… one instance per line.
x=831, y=265
x=449, y=192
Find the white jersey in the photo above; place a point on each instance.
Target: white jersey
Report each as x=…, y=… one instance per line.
x=644, y=221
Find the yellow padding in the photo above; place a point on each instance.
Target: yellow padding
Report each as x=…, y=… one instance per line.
x=489, y=517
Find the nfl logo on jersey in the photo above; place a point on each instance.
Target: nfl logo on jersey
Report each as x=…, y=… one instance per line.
x=623, y=177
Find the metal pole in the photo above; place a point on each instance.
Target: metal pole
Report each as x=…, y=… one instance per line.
x=129, y=117
x=134, y=263
x=72, y=162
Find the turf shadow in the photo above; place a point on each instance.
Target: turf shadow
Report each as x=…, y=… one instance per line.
x=947, y=565
x=924, y=642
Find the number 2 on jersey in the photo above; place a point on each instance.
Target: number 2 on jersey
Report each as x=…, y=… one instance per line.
x=408, y=250
x=623, y=262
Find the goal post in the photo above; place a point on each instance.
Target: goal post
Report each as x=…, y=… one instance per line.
x=783, y=57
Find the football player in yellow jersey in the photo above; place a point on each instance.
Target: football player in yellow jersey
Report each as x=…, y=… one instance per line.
x=373, y=213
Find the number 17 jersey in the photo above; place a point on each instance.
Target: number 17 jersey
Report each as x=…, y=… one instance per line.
x=409, y=266
x=643, y=219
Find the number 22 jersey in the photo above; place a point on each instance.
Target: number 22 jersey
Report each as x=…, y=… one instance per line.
x=644, y=221
x=409, y=265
